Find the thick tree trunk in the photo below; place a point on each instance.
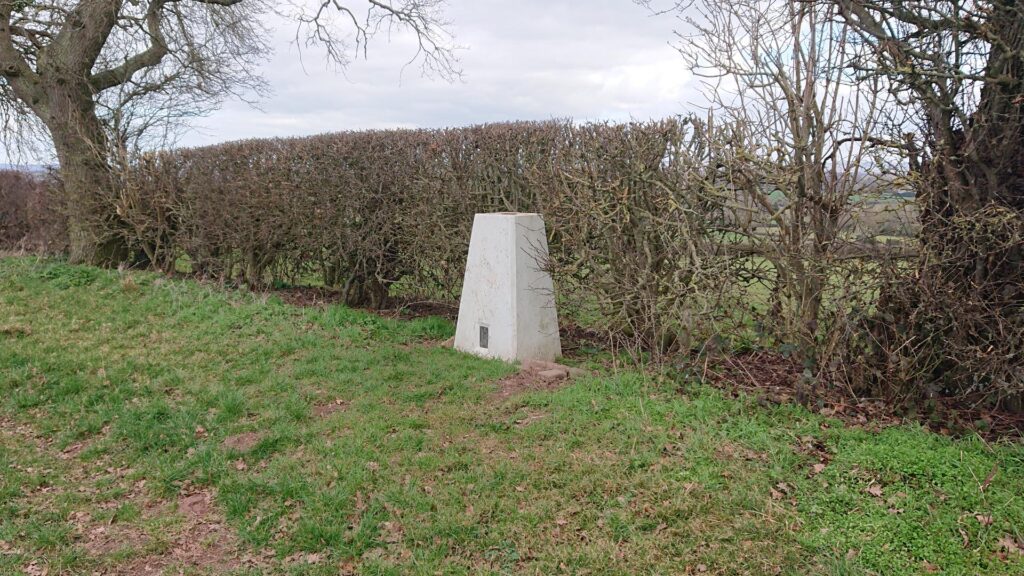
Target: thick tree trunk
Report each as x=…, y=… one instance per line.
x=81, y=146
x=970, y=284
x=956, y=326
x=975, y=184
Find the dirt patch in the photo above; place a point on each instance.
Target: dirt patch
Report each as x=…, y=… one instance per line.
x=727, y=450
x=15, y=330
x=24, y=433
x=103, y=540
x=196, y=505
x=534, y=376
x=242, y=442
x=203, y=542
x=325, y=410
x=73, y=450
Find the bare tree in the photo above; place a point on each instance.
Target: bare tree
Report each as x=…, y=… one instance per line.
x=958, y=322
x=96, y=73
x=805, y=147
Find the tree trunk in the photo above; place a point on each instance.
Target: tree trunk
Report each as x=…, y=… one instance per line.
x=89, y=186
x=976, y=179
x=965, y=305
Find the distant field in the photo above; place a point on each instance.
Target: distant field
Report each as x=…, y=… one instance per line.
x=162, y=426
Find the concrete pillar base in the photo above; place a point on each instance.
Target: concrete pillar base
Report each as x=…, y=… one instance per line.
x=507, y=309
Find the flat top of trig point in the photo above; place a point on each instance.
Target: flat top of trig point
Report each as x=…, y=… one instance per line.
x=508, y=214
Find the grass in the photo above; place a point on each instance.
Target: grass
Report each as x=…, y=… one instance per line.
x=118, y=391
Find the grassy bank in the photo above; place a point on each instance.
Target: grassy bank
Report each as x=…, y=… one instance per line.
x=153, y=424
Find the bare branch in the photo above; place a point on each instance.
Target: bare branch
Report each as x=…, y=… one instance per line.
x=146, y=59
x=423, y=18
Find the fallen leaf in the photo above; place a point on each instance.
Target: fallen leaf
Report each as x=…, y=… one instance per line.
x=1010, y=544
x=240, y=465
x=875, y=490
x=983, y=519
x=34, y=569
x=990, y=477
x=817, y=469
x=392, y=532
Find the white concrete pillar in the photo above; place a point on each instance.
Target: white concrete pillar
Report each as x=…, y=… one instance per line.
x=508, y=306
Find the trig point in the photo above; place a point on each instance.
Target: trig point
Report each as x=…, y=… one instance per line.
x=508, y=301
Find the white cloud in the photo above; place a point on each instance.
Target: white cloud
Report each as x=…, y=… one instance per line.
x=524, y=60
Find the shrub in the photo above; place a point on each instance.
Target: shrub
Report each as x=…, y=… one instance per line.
x=30, y=215
x=665, y=236
x=628, y=210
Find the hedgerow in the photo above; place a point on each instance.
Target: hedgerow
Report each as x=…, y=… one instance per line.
x=630, y=228
x=666, y=236
x=30, y=215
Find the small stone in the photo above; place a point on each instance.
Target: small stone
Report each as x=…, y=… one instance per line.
x=576, y=372
x=541, y=366
x=553, y=375
x=537, y=365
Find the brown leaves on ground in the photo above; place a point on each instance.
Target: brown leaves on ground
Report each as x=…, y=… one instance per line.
x=816, y=449
x=776, y=379
x=201, y=542
x=196, y=540
x=306, y=558
x=101, y=539
x=392, y=532
x=325, y=410
x=727, y=450
x=1011, y=545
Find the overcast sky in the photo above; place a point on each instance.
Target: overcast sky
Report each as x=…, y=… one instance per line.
x=523, y=60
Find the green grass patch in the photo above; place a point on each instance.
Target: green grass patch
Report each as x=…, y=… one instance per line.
x=334, y=441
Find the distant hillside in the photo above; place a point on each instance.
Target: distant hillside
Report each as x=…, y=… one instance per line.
x=33, y=168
